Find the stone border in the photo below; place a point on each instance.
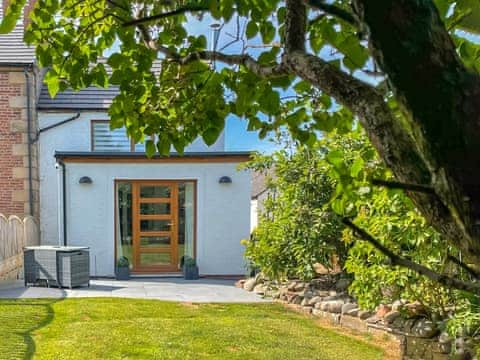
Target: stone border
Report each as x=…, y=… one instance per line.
x=326, y=297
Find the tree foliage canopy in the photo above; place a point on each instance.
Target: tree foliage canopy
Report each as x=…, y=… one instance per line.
x=406, y=69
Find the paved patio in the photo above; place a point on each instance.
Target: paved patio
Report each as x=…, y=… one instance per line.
x=172, y=289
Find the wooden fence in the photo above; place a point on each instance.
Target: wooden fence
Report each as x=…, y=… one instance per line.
x=15, y=234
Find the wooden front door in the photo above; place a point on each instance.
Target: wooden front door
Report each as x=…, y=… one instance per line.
x=155, y=226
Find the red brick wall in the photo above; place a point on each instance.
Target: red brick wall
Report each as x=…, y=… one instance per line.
x=14, y=185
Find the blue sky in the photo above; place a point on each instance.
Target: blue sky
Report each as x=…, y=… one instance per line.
x=237, y=137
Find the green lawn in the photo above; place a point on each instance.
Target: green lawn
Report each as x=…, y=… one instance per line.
x=109, y=328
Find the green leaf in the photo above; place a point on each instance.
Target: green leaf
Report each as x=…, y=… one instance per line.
x=267, y=30
x=11, y=15
x=210, y=135
x=150, y=148
x=251, y=30
x=53, y=83
x=335, y=158
x=356, y=167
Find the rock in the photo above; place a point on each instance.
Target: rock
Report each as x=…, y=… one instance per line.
x=349, y=306
x=391, y=316
x=353, y=312
x=259, y=289
x=299, y=286
x=250, y=284
x=425, y=328
x=342, y=284
x=415, y=309
x=239, y=283
x=398, y=305
x=330, y=298
x=398, y=323
x=373, y=319
x=334, y=306
x=291, y=286
x=382, y=310
x=275, y=294
x=323, y=293
x=314, y=300
x=297, y=300
x=332, y=293
x=323, y=306
x=320, y=269
x=304, y=302
x=445, y=343
x=363, y=314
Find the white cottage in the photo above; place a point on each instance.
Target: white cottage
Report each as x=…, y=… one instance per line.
x=97, y=189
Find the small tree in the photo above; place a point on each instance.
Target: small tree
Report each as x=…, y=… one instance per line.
x=295, y=230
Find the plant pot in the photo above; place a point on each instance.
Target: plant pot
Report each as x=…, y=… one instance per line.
x=190, y=272
x=122, y=273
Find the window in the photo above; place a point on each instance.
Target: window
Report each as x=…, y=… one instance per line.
x=104, y=139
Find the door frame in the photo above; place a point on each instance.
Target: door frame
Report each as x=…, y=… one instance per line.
x=160, y=269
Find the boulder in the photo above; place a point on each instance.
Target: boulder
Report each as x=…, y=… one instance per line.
x=239, y=283
x=391, y=316
x=334, y=306
x=398, y=305
x=342, y=284
x=415, y=309
x=323, y=293
x=314, y=300
x=299, y=286
x=353, y=312
x=259, y=289
x=382, y=310
x=425, y=328
x=297, y=300
x=363, y=314
x=347, y=307
x=250, y=284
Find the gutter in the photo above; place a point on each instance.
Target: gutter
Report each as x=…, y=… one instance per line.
x=74, y=117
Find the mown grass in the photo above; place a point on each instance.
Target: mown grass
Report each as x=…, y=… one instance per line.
x=111, y=328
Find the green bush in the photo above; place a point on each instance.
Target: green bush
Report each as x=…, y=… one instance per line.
x=295, y=231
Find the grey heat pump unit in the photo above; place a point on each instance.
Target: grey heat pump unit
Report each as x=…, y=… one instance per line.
x=62, y=266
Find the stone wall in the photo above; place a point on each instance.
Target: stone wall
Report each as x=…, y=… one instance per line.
x=14, y=162
x=415, y=336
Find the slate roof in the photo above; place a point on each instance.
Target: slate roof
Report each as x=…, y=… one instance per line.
x=13, y=50
x=91, y=98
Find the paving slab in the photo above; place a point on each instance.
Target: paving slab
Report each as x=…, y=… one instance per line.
x=170, y=289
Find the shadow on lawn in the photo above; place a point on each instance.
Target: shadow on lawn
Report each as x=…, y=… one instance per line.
x=19, y=319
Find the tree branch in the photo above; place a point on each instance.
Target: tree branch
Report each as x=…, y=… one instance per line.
x=245, y=60
x=398, y=185
x=442, y=279
x=332, y=10
x=178, y=11
x=464, y=266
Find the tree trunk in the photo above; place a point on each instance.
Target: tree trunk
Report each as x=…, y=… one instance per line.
x=441, y=99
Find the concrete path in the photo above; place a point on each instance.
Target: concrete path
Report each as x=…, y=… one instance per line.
x=172, y=289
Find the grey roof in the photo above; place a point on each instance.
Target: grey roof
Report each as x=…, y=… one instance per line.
x=13, y=50
x=91, y=98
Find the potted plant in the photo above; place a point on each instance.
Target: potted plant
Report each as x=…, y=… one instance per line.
x=123, y=269
x=189, y=268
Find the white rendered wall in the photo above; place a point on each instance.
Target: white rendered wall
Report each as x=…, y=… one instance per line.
x=223, y=210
